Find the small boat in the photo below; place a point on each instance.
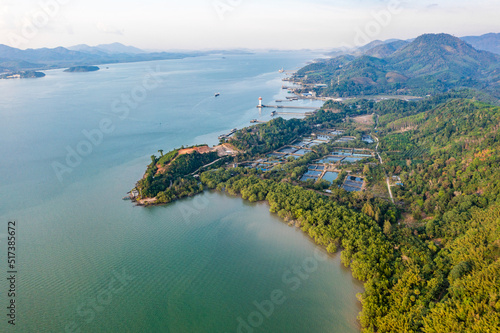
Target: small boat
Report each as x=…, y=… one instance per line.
x=217, y=94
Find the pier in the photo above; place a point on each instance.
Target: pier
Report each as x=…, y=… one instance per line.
x=225, y=136
x=307, y=113
x=289, y=107
x=285, y=112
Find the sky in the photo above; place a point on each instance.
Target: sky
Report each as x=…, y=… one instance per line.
x=230, y=24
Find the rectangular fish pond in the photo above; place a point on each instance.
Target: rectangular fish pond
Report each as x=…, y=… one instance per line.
x=351, y=159
x=275, y=156
x=353, y=184
x=305, y=178
x=288, y=150
x=330, y=176
x=294, y=156
x=302, y=151
x=316, y=167
x=330, y=159
x=351, y=189
x=313, y=173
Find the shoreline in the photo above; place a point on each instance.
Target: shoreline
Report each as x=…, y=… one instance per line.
x=259, y=141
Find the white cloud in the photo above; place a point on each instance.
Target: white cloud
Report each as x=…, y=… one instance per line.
x=109, y=29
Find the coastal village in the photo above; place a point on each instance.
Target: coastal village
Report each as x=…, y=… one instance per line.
x=327, y=168
x=344, y=165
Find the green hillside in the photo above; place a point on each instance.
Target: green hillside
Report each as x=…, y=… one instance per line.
x=432, y=266
x=386, y=49
x=431, y=64
x=447, y=157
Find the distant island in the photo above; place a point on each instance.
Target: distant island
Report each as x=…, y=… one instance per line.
x=22, y=75
x=81, y=69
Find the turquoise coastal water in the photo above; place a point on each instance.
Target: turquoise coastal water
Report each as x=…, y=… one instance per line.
x=72, y=145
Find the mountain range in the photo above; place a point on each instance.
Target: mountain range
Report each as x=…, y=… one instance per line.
x=114, y=48
x=432, y=63
x=489, y=42
x=378, y=48
x=12, y=59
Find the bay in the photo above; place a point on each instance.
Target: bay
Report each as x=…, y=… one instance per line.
x=197, y=265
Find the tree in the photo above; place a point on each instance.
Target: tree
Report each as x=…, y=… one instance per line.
x=430, y=229
x=368, y=210
x=160, y=151
x=459, y=270
x=387, y=227
x=378, y=214
x=366, y=169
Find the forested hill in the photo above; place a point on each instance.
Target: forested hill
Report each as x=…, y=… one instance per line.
x=448, y=158
x=436, y=269
x=432, y=63
x=433, y=54
x=386, y=49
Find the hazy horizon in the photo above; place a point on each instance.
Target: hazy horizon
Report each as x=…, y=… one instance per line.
x=237, y=24
x=234, y=48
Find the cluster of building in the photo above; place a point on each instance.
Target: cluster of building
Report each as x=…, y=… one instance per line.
x=326, y=168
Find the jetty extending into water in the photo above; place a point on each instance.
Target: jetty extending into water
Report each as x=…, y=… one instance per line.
x=289, y=113
x=225, y=136
x=288, y=107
